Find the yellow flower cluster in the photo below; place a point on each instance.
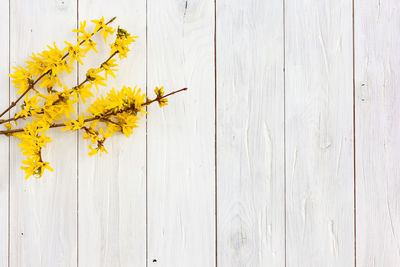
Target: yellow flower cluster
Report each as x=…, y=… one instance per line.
x=33, y=139
x=42, y=107
x=117, y=112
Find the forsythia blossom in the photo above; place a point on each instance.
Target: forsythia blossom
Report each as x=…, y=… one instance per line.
x=46, y=100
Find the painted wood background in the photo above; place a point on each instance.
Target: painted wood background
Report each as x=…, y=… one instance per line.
x=285, y=150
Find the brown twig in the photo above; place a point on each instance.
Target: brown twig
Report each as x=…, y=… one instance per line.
x=59, y=100
x=32, y=84
x=100, y=118
x=158, y=98
x=10, y=119
x=110, y=121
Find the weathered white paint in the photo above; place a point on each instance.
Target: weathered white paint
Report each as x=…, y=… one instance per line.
x=43, y=212
x=180, y=139
x=109, y=212
x=112, y=188
x=377, y=131
x=4, y=142
x=250, y=133
x=319, y=133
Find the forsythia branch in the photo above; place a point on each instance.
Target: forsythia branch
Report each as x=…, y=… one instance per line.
x=59, y=100
x=43, y=108
x=96, y=118
x=33, y=83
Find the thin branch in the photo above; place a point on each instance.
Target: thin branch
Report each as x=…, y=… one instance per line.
x=14, y=103
x=99, y=118
x=10, y=119
x=110, y=121
x=59, y=100
x=159, y=98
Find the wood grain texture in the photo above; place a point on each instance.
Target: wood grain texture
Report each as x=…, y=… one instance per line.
x=377, y=124
x=181, y=135
x=250, y=133
x=4, y=141
x=319, y=136
x=252, y=166
x=112, y=188
x=43, y=211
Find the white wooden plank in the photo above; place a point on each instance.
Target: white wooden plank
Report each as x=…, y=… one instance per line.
x=112, y=189
x=43, y=211
x=250, y=133
x=377, y=122
x=181, y=135
x=4, y=141
x=319, y=136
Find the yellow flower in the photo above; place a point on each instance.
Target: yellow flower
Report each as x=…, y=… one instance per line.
x=122, y=42
x=80, y=123
x=82, y=26
x=98, y=107
x=74, y=125
x=160, y=93
x=29, y=107
x=35, y=167
x=99, y=24
x=93, y=77
x=83, y=92
x=105, y=134
x=42, y=140
x=36, y=66
x=90, y=45
x=85, y=36
x=108, y=67
x=68, y=126
x=100, y=147
x=162, y=102
x=53, y=62
x=106, y=31
x=113, y=128
x=91, y=134
x=21, y=79
x=127, y=123
x=74, y=53
x=50, y=80
x=8, y=126
x=93, y=151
